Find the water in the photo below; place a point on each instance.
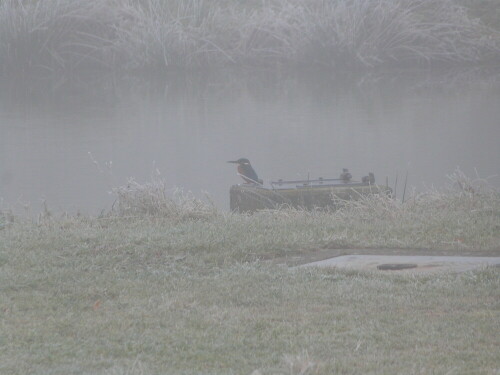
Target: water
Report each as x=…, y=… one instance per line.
x=289, y=125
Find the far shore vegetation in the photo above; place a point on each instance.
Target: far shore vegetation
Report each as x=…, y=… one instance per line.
x=169, y=284
x=44, y=37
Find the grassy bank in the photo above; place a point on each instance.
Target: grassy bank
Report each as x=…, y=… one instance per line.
x=170, y=285
x=47, y=36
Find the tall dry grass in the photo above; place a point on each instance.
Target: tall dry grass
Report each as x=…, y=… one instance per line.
x=156, y=199
x=126, y=34
x=55, y=34
x=462, y=216
x=372, y=33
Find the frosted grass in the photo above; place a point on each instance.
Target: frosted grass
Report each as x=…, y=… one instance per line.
x=51, y=35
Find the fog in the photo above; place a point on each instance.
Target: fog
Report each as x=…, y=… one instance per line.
x=129, y=244
x=69, y=141
x=95, y=92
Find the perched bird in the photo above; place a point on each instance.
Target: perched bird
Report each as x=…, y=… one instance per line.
x=246, y=171
x=345, y=175
x=370, y=179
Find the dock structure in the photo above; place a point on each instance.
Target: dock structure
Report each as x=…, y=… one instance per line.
x=299, y=194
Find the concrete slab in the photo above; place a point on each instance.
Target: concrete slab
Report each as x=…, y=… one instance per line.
x=406, y=264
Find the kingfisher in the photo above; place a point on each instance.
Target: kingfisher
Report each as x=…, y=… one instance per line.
x=345, y=175
x=246, y=172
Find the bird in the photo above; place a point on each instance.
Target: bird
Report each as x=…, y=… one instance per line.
x=345, y=175
x=246, y=172
x=370, y=179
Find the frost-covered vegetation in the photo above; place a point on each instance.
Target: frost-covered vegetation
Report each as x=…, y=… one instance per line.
x=167, y=284
x=50, y=35
x=461, y=217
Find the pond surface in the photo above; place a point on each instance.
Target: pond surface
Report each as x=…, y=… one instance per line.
x=70, y=141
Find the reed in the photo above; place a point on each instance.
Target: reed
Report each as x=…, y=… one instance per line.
x=155, y=199
x=52, y=35
x=462, y=216
x=56, y=34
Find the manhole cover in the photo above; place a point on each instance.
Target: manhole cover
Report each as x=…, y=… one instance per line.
x=396, y=266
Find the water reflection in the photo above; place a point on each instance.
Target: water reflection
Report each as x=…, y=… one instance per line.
x=289, y=125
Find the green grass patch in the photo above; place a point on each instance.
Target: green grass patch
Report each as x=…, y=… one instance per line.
x=157, y=292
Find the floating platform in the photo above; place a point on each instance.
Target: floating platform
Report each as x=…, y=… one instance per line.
x=321, y=193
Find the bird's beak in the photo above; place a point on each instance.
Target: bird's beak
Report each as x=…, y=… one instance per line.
x=233, y=161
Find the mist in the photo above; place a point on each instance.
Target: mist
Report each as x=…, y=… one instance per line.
x=69, y=146
x=94, y=93
x=249, y=186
